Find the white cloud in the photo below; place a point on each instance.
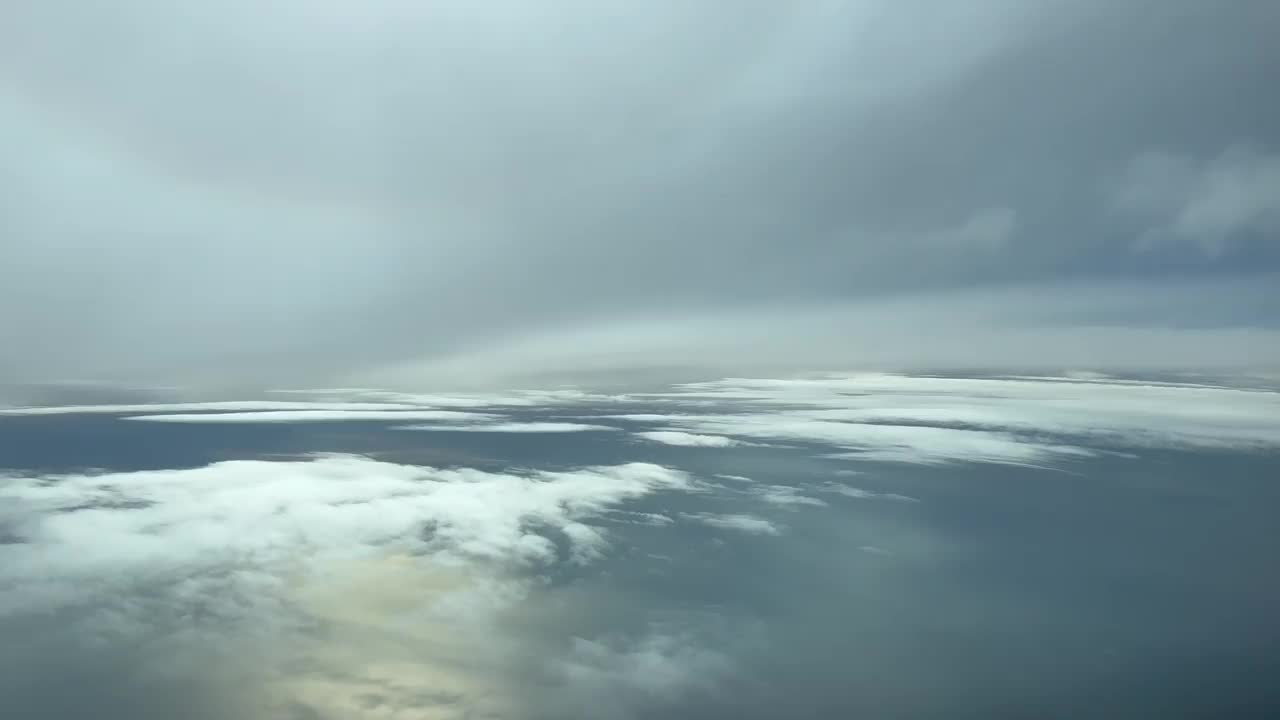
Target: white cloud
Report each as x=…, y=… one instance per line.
x=743, y=523
x=897, y=443
x=847, y=491
x=234, y=406
x=685, y=439
x=102, y=529
x=587, y=543
x=337, y=578
x=860, y=494
x=517, y=398
x=514, y=427
x=354, y=404
x=324, y=391
x=1001, y=420
x=641, y=518
x=1209, y=203
x=374, y=395
x=874, y=550
x=784, y=495
x=299, y=416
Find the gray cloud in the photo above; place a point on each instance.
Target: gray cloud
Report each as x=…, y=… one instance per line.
x=1207, y=204
x=228, y=193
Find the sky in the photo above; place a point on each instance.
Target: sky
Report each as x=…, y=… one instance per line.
x=440, y=194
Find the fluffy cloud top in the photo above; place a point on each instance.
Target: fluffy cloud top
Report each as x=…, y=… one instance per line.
x=405, y=571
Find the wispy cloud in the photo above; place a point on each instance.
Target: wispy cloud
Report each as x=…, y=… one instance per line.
x=406, y=568
x=686, y=439
x=513, y=427
x=860, y=494
x=743, y=523
x=660, y=663
x=784, y=495
x=301, y=416
x=1020, y=421
x=234, y=406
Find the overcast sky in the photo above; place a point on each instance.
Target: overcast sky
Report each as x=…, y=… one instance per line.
x=432, y=192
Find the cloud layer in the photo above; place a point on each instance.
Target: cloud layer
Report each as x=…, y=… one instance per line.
x=337, y=579
x=891, y=522
x=1030, y=421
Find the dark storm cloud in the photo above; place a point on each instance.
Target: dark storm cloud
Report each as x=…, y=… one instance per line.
x=230, y=191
